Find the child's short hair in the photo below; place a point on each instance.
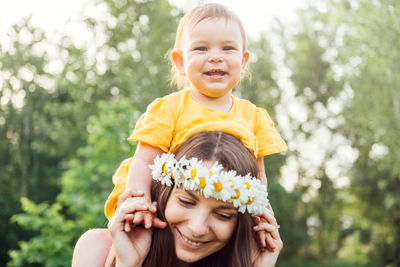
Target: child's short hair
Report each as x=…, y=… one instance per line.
x=192, y=18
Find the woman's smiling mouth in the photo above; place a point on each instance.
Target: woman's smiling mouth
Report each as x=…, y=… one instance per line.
x=191, y=243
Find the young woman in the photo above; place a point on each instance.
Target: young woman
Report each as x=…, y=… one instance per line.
x=207, y=193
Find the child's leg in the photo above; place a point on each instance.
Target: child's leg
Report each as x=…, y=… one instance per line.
x=119, y=180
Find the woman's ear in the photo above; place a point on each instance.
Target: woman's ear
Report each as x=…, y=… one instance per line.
x=177, y=58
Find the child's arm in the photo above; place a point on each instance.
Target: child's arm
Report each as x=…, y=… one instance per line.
x=139, y=176
x=261, y=171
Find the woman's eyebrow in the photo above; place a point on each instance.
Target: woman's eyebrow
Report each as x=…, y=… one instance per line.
x=226, y=207
x=192, y=195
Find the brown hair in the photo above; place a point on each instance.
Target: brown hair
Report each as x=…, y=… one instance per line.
x=192, y=18
x=233, y=155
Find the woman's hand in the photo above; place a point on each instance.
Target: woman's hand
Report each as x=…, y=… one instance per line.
x=265, y=257
x=131, y=247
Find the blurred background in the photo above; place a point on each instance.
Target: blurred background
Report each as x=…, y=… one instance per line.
x=327, y=71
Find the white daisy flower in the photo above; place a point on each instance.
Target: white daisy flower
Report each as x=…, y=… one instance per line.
x=245, y=193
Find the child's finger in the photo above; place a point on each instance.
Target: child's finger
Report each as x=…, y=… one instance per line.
x=138, y=219
x=129, y=217
x=158, y=223
x=153, y=207
x=148, y=220
x=127, y=227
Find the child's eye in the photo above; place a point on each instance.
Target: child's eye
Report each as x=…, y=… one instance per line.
x=201, y=48
x=186, y=202
x=228, y=48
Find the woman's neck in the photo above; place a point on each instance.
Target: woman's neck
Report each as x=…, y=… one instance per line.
x=182, y=264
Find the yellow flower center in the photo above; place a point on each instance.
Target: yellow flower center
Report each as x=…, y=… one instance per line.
x=202, y=182
x=250, y=201
x=217, y=186
x=164, y=169
x=247, y=185
x=193, y=173
x=210, y=173
x=237, y=194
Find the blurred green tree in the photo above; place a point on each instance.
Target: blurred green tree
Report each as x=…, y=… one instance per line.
x=85, y=187
x=372, y=28
x=128, y=64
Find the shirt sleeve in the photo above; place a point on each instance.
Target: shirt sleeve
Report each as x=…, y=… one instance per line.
x=268, y=138
x=156, y=126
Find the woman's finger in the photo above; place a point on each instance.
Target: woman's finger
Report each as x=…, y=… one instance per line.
x=261, y=235
x=265, y=226
x=269, y=217
x=270, y=241
x=127, y=194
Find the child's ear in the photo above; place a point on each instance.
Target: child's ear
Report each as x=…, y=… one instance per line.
x=245, y=59
x=177, y=58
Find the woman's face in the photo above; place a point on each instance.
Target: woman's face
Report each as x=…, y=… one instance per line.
x=200, y=226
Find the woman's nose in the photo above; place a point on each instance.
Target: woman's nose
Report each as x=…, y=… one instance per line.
x=198, y=224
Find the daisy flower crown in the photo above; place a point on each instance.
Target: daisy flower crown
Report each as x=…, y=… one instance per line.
x=246, y=193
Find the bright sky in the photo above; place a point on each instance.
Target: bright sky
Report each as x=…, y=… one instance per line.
x=257, y=15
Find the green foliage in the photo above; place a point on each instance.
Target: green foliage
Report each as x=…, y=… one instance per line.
x=342, y=52
x=85, y=187
x=374, y=123
x=53, y=245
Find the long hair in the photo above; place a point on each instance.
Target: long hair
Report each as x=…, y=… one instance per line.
x=228, y=151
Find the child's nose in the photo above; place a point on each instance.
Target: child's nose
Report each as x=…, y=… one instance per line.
x=215, y=59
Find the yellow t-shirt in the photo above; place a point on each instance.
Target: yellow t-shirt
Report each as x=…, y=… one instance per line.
x=171, y=120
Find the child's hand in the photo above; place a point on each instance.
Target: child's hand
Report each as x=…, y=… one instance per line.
x=146, y=217
x=265, y=239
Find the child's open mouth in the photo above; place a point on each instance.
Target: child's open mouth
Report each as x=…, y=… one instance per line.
x=215, y=73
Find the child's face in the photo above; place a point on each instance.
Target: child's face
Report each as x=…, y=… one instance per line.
x=212, y=56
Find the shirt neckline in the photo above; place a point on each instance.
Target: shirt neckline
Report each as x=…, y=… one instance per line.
x=210, y=109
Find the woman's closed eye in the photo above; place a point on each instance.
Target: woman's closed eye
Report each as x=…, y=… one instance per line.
x=224, y=216
x=186, y=202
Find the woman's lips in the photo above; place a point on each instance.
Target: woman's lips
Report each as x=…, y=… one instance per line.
x=191, y=243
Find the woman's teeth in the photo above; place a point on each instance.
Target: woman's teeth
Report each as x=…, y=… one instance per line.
x=196, y=244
